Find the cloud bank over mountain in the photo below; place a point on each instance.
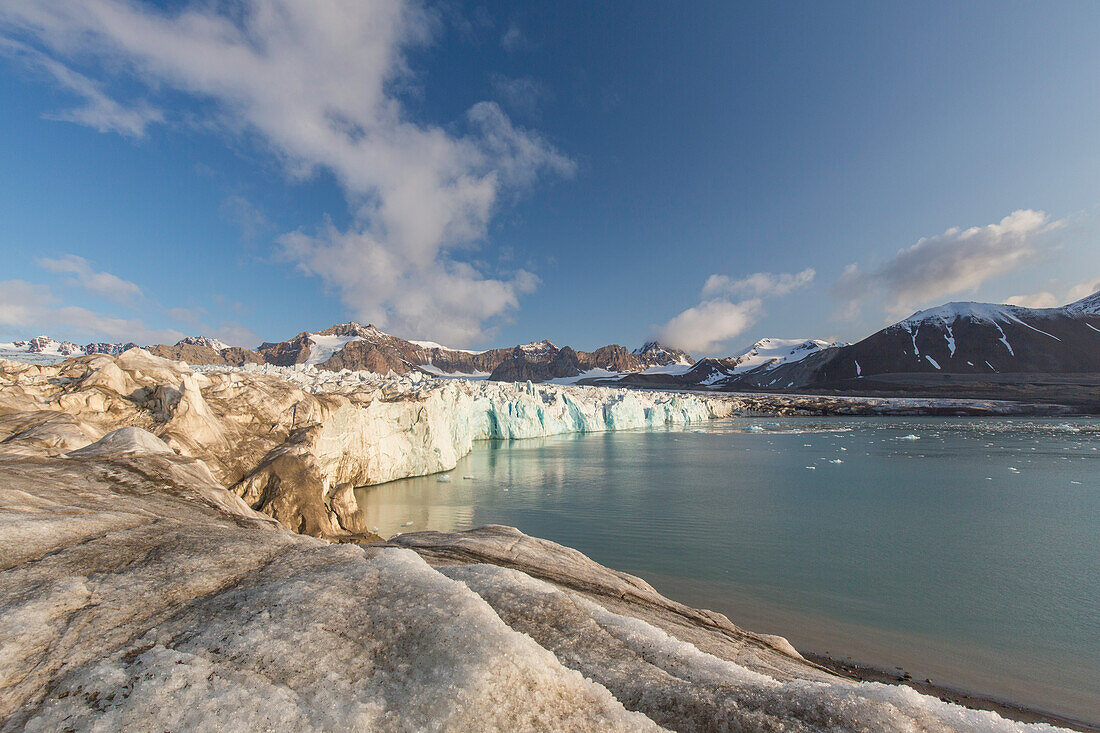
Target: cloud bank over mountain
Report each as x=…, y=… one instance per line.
x=957, y=261
x=704, y=328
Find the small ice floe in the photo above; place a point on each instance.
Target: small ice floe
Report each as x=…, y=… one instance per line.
x=754, y=429
x=1013, y=469
x=910, y=436
x=407, y=524
x=844, y=449
x=469, y=478
x=444, y=479
x=807, y=445
x=811, y=468
x=1075, y=483
x=836, y=460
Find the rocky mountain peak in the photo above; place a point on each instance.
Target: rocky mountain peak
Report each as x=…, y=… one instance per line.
x=207, y=341
x=654, y=353
x=536, y=350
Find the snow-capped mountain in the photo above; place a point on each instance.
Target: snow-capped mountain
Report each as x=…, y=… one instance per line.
x=207, y=341
x=653, y=353
x=537, y=350
x=958, y=338
x=770, y=353
x=355, y=346
x=46, y=350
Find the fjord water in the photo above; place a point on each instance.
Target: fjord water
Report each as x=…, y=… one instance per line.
x=961, y=549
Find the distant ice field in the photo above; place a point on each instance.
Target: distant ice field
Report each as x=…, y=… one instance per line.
x=966, y=550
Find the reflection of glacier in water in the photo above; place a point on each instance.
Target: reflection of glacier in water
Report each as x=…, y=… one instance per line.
x=968, y=556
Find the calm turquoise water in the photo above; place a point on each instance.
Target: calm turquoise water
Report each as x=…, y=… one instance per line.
x=965, y=550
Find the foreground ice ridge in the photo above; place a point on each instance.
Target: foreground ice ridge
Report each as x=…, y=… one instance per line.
x=139, y=594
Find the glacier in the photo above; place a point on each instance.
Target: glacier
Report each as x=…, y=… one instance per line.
x=156, y=569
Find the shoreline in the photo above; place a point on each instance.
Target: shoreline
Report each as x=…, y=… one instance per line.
x=845, y=667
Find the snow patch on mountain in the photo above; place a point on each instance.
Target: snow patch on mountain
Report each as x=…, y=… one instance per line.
x=672, y=368
x=436, y=371
x=434, y=345
x=1087, y=306
x=322, y=348
x=771, y=352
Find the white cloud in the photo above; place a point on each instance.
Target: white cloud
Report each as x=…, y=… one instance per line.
x=703, y=328
x=389, y=289
x=103, y=284
x=759, y=284
x=1047, y=299
x=959, y=260
x=29, y=309
x=1035, y=300
x=21, y=302
x=99, y=111
x=1083, y=289
x=316, y=81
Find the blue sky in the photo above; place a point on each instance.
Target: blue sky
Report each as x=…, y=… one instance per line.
x=489, y=173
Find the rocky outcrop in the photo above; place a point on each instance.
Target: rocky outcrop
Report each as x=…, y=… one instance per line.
x=373, y=357
x=520, y=367
x=613, y=358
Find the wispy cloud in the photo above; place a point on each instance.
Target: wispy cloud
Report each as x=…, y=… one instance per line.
x=99, y=111
x=319, y=81
x=521, y=94
x=29, y=308
x=706, y=327
x=97, y=282
x=513, y=38
x=760, y=284
x=957, y=261
x=242, y=213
